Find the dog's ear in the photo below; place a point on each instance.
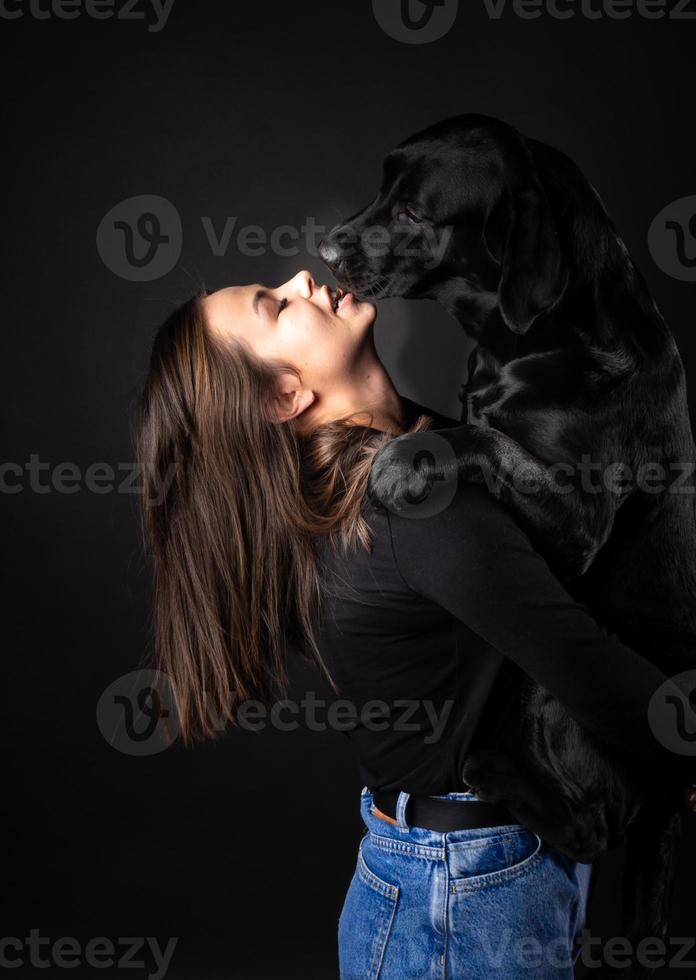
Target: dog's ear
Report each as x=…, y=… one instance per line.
x=533, y=276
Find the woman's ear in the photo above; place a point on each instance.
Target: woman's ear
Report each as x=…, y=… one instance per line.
x=291, y=398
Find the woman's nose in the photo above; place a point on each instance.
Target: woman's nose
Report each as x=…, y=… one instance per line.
x=302, y=283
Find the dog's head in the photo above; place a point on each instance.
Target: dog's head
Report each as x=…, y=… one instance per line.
x=461, y=217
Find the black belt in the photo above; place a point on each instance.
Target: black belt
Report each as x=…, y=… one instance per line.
x=444, y=815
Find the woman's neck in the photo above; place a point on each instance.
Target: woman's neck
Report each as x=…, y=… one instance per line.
x=368, y=397
x=377, y=403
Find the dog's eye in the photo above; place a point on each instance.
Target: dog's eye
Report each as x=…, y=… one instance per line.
x=406, y=213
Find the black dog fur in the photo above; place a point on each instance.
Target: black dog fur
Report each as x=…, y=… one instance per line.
x=573, y=361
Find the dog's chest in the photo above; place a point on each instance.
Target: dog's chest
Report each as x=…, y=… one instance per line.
x=505, y=388
x=491, y=383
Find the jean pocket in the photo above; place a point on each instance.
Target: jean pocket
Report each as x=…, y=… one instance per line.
x=494, y=859
x=365, y=922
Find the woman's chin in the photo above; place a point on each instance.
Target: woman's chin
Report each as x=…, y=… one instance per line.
x=362, y=311
x=358, y=317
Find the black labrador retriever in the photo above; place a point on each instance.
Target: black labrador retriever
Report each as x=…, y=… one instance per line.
x=576, y=417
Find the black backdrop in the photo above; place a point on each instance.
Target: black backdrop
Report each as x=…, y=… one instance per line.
x=271, y=113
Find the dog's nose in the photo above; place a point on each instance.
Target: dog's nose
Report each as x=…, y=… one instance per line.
x=330, y=253
x=336, y=248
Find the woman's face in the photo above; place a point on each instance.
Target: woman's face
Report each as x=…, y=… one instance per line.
x=296, y=323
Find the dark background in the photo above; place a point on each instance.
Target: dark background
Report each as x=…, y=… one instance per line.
x=271, y=112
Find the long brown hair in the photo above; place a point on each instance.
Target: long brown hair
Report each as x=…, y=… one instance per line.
x=232, y=500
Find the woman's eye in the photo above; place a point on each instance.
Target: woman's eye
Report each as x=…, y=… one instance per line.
x=281, y=306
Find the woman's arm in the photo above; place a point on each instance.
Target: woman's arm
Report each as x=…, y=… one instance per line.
x=475, y=561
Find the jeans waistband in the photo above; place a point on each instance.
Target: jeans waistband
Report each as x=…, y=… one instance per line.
x=406, y=836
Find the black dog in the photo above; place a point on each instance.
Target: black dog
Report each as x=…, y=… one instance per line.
x=576, y=384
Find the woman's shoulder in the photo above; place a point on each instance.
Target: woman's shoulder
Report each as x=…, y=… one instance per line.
x=460, y=546
x=452, y=504
x=414, y=409
x=453, y=513
x=464, y=513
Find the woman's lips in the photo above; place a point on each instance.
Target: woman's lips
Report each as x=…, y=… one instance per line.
x=345, y=300
x=339, y=297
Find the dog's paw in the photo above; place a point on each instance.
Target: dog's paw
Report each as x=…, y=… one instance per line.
x=400, y=478
x=488, y=772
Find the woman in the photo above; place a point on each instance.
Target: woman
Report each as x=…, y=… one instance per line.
x=268, y=406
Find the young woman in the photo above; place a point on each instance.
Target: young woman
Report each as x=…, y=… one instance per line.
x=262, y=412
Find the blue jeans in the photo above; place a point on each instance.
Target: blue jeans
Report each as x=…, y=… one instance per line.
x=464, y=905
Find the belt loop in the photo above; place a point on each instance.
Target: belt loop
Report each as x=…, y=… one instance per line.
x=401, y=804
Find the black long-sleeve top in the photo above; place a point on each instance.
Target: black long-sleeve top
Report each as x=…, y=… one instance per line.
x=414, y=635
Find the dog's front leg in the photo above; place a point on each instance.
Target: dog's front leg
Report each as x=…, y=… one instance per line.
x=568, y=526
